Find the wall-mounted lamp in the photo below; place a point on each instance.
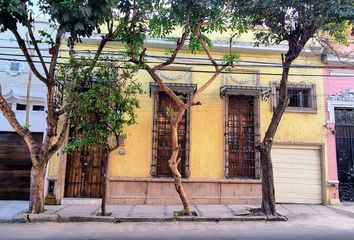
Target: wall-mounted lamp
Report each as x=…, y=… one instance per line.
x=333, y=183
x=121, y=151
x=333, y=131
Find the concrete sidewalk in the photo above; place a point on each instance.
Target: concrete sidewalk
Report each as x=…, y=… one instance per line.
x=166, y=213
x=9, y=209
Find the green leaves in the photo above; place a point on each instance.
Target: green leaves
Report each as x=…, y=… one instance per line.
x=231, y=58
x=100, y=103
x=338, y=30
x=294, y=19
x=78, y=17
x=13, y=12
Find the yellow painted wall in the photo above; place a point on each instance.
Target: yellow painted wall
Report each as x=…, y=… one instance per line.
x=53, y=164
x=207, y=120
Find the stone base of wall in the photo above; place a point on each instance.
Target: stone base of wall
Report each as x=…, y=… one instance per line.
x=199, y=191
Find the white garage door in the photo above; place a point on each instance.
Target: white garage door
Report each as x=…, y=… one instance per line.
x=297, y=174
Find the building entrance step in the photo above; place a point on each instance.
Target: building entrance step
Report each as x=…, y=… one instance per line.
x=96, y=201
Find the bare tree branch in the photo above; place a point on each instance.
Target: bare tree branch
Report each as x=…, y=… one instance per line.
x=180, y=44
x=54, y=51
x=204, y=45
x=22, y=45
x=39, y=54
x=60, y=139
x=326, y=45
x=206, y=85
x=52, y=118
x=163, y=86
x=104, y=40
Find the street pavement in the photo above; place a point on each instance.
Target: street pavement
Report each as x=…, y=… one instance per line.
x=305, y=228
x=304, y=222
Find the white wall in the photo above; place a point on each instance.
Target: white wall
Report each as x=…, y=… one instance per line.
x=14, y=83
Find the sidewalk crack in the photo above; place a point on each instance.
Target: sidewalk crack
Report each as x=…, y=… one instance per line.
x=200, y=213
x=65, y=206
x=131, y=211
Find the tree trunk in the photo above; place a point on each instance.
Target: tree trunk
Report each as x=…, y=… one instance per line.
x=268, y=194
x=104, y=183
x=37, y=186
x=174, y=161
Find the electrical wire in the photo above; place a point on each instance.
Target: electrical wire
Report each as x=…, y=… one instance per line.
x=160, y=57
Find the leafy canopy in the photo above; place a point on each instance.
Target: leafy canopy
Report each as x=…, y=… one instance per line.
x=289, y=19
x=159, y=18
x=99, y=106
x=78, y=17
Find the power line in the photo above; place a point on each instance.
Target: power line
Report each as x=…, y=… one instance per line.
x=160, y=57
x=263, y=65
x=209, y=71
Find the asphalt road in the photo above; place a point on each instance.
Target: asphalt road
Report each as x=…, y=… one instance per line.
x=306, y=229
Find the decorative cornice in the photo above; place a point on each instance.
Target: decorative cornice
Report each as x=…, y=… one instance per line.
x=13, y=93
x=229, y=78
x=346, y=95
x=186, y=76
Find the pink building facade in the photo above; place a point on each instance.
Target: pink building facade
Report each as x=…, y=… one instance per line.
x=339, y=107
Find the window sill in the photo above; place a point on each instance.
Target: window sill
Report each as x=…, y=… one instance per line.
x=301, y=110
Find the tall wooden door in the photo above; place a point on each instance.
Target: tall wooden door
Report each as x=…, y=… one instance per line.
x=241, y=136
x=345, y=152
x=84, y=171
x=163, y=137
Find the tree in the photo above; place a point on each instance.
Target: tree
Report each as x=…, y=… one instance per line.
x=141, y=18
x=296, y=22
x=77, y=17
x=100, y=105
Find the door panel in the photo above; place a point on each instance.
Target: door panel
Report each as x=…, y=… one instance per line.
x=84, y=172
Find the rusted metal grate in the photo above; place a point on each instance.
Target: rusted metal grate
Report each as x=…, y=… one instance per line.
x=240, y=137
x=162, y=143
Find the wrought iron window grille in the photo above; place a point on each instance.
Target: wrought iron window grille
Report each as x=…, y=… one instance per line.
x=161, y=136
x=302, y=96
x=241, y=134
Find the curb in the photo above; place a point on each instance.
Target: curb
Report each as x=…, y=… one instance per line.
x=39, y=218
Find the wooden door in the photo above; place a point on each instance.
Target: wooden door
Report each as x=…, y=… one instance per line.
x=84, y=170
x=345, y=152
x=163, y=137
x=241, y=136
x=15, y=166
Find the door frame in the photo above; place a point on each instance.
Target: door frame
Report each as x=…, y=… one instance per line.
x=186, y=170
x=343, y=99
x=256, y=94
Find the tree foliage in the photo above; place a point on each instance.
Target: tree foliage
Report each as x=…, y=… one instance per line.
x=284, y=20
x=77, y=18
x=102, y=104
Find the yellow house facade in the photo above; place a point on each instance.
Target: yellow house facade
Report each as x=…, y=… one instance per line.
x=220, y=165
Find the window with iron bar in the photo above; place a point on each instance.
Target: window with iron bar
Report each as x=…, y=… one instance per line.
x=162, y=142
x=302, y=97
x=241, y=136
